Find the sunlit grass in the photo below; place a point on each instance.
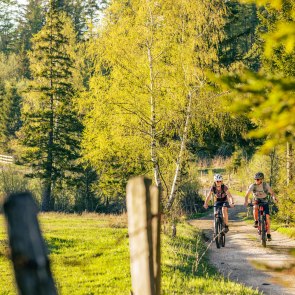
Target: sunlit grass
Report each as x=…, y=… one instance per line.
x=89, y=254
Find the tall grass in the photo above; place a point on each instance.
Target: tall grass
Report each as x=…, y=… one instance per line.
x=89, y=254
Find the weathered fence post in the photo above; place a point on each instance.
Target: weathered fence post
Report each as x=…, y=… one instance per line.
x=28, y=250
x=143, y=208
x=156, y=230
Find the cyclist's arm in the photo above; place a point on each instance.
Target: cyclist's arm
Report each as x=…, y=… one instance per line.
x=207, y=199
x=247, y=196
x=230, y=197
x=272, y=194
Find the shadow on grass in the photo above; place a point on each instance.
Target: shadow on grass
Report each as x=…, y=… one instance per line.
x=56, y=245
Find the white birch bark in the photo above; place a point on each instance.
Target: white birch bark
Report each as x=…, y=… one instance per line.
x=180, y=155
x=154, y=157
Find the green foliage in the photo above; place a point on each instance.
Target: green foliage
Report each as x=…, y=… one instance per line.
x=33, y=17
x=10, y=100
x=12, y=181
x=51, y=128
x=267, y=97
x=8, y=14
x=94, y=259
x=241, y=22
x=148, y=60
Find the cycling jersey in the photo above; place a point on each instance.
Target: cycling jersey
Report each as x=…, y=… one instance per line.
x=259, y=191
x=219, y=194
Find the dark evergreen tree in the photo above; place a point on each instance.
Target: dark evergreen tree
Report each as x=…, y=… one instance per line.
x=8, y=16
x=10, y=100
x=240, y=30
x=51, y=131
x=31, y=22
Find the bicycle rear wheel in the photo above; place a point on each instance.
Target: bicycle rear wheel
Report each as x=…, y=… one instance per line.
x=263, y=231
x=218, y=228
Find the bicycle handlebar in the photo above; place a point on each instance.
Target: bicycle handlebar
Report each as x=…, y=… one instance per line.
x=224, y=205
x=259, y=203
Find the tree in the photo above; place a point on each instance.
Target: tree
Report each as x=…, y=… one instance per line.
x=267, y=96
x=240, y=27
x=9, y=99
x=51, y=128
x=150, y=70
x=8, y=13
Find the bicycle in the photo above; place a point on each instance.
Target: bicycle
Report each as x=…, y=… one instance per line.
x=262, y=222
x=219, y=226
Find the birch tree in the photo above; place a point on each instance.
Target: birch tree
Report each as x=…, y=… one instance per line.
x=151, y=60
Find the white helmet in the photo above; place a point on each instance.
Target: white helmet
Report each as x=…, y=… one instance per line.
x=218, y=177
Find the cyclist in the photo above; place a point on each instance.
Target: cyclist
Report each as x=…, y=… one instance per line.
x=221, y=193
x=260, y=191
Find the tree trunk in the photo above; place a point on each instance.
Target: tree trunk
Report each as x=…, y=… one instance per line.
x=289, y=168
x=272, y=164
x=46, y=196
x=180, y=155
x=154, y=157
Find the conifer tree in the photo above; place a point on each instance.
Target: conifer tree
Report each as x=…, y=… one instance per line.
x=10, y=100
x=51, y=130
x=8, y=15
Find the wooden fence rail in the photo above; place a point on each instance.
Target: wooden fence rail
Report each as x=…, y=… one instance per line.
x=6, y=159
x=143, y=208
x=28, y=250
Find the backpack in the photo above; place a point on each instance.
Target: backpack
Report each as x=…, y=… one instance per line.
x=264, y=188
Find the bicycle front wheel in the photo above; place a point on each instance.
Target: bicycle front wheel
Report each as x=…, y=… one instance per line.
x=222, y=239
x=218, y=229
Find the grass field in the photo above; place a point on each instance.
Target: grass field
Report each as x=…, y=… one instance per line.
x=89, y=254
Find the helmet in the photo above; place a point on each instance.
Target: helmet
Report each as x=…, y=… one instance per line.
x=218, y=177
x=259, y=175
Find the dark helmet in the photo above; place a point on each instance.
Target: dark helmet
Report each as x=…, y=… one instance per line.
x=259, y=175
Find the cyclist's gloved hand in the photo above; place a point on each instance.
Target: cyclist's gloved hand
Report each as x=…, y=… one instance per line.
x=232, y=205
x=205, y=206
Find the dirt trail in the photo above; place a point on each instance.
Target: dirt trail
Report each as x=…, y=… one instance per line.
x=236, y=261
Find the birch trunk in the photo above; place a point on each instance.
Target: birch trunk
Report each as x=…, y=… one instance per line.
x=180, y=155
x=289, y=162
x=154, y=157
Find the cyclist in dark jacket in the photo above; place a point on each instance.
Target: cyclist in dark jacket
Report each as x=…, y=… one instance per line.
x=260, y=191
x=222, y=195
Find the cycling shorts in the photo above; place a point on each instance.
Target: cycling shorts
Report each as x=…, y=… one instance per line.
x=220, y=204
x=266, y=205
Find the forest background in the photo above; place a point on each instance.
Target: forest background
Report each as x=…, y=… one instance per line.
x=95, y=92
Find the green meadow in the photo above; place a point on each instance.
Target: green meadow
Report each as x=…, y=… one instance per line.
x=89, y=255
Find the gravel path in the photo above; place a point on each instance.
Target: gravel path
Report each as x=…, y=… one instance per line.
x=243, y=259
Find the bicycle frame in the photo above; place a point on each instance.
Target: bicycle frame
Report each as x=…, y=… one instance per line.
x=219, y=234
x=262, y=221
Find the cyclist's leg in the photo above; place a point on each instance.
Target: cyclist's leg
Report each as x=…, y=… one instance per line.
x=225, y=215
x=255, y=214
x=266, y=208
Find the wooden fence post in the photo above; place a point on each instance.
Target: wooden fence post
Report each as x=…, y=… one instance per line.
x=143, y=208
x=156, y=230
x=28, y=250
